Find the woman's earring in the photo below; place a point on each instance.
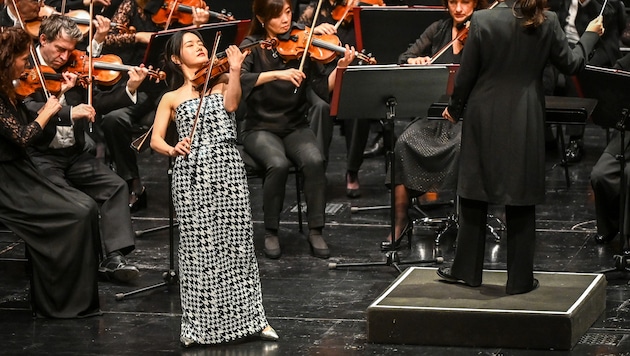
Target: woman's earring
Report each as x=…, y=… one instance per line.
x=263, y=25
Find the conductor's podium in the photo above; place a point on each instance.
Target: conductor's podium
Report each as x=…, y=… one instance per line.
x=418, y=308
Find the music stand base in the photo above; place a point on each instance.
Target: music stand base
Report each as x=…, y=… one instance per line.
x=170, y=278
x=392, y=259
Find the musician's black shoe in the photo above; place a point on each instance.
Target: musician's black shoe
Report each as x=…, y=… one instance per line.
x=115, y=267
x=445, y=274
x=574, y=152
x=377, y=147
x=604, y=239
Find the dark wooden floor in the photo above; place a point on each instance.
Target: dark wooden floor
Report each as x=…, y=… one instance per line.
x=316, y=310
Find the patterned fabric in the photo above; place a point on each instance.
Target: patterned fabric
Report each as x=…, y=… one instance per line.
x=427, y=155
x=219, y=281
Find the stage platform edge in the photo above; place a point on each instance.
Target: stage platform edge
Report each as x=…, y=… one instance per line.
x=417, y=308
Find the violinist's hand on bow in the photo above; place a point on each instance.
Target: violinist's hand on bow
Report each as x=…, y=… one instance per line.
x=596, y=25
x=136, y=76
x=347, y=58
x=292, y=75
x=419, y=60
x=325, y=29
x=182, y=148
x=69, y=81
x=83, y=111
x=51, y=107
x=447, y=116
x=200, y=15
x=102, y=25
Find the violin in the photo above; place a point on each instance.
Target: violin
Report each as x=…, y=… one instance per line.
x=80, y=17
x=107, y=69
x=181, y=11
x=221, y=65
x=29, y=82
x=323, y=49
x=343, y=13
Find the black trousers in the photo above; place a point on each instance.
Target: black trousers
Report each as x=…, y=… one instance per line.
x=471, y=243
x=277, y=155
x=117, y=128
x=81, y=172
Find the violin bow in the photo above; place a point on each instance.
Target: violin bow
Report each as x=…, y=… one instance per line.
x=34, y=56
x=309, y=40
x=342, y=17
x=202, y=94
x=170, y=15
x=90, y=88
x=63, y=6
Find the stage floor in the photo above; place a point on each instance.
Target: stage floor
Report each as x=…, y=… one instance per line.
x=314, y=309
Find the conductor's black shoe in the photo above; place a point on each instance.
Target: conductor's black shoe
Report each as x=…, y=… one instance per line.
x=376, y=148
x=115, y=267
x=445, y=274
x=535, y=285
x=604, y=239
x=574, y=152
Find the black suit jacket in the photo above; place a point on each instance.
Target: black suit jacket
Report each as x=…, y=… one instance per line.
x=606, y=51
x=103, y=102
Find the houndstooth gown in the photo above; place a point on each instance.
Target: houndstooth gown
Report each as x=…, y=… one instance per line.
x=219, y=280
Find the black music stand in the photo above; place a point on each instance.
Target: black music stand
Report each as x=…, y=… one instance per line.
x=610, y=88
x=387, y=91
x=230, y=32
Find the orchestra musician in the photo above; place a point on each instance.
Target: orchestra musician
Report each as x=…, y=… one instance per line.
x=427, y=152
x=574, y=16
x=217, y=263
x=606, y=184
x=276, y=133
x=356, y=131
x=28, y=10
x=502, y=158
x=60, y=151
x=58, y=226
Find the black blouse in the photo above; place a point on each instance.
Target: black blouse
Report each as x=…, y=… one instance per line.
x=17, y=130
x=276, y=106
x=436, y=36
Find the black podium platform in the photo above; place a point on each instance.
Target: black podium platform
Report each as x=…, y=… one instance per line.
x=417, y=308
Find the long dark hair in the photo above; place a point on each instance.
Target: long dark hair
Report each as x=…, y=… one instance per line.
x=267, y=10
x=532, y=12
x=173, y=47
x=15, y=42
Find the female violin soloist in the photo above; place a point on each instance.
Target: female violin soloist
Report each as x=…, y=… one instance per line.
x=276, y=132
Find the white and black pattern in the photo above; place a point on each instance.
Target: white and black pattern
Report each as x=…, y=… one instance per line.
x=219, y=280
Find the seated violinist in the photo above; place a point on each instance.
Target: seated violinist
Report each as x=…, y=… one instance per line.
x=427, y=152
x=276, y=133
x=60, y=152
x=28, y=10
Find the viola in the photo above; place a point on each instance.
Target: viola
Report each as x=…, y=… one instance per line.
x=181, y=11
x=80, y=17
x=323, y=49
x=343, y=13
x=221, y=65
x=107, y=69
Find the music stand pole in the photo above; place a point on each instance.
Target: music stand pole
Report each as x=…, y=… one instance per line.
x=171, y=276
x=361, y=92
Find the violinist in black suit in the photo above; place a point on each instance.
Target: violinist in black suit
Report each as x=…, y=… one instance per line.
x=60, y=152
